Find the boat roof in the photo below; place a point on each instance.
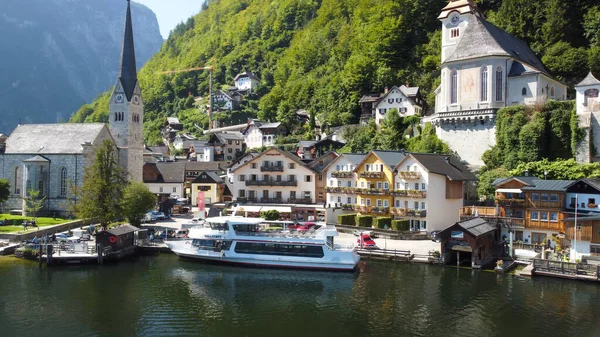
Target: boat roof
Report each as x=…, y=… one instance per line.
x=236, y=220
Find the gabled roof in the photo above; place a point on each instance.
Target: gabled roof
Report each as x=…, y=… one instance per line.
x=205, y=166
x=354, y=158
x=320, y=168
x=410, y=93
x=221, y=92
x=282, y=152
x=122, y=229
x=537, y=184
x=243, y=159
x=390, y=158
x=230, y=135
x=481, y=39
x=211, y=175
x=588, y=80
x=370, y=98
x=246, y=74
x=445, y=165
x=52, y=138
x=476, y=227
x=127, y=69
x=270, y=125
x=527, y=180
x=592, y=182
x=520, y=69
x=171, y=172
x=36, y=159
x=461, y=6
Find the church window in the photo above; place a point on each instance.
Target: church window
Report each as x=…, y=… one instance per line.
x=41, y=187
x=17, y=181
x=63, y=181
x=590, y=93
x=28, y=187
x=454, y=33
x=552, y=92
x=499, y=84
x=524, y=91
x=453, y=87
x=484, y=84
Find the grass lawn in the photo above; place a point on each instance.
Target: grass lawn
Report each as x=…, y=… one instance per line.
x=41, y=222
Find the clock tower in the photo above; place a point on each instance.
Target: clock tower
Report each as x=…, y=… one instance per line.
x=455, y=17
x=126, y=121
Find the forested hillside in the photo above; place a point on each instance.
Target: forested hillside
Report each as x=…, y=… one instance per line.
x=323, y=55
x=57, y=54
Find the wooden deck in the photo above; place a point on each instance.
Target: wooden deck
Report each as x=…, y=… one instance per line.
x=568, y=270
x=397, y=255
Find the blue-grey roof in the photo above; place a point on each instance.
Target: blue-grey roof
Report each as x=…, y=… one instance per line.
x=445, y=165
x=52, y=138
x=548, y=185
x=519, y=69
x=588, y=80
x=354, y=158
x=390, y=158
x=127, y=68
x=482, y=39
x=527, y=180
x=476, y=226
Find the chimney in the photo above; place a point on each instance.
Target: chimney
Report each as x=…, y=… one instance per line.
x=386, y=90
x=407, y=84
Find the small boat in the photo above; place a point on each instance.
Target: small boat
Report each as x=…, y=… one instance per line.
x=246, y=241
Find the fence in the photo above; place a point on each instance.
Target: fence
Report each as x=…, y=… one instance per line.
x=567, y=268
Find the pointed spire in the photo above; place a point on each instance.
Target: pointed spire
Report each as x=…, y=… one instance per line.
x=127, y=68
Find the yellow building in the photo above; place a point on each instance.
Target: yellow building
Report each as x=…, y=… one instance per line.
x=211, y=184
x=375, y=181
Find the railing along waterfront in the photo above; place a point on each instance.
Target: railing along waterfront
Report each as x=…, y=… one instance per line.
x=588, y=271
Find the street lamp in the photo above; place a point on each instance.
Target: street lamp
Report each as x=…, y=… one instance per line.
x=545, y=174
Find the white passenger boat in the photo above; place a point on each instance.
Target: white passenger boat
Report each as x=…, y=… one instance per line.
x=245, y=241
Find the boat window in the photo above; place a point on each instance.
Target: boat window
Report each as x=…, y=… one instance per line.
x=245, y=228
x=218, y=226
x=329, y=242
x=279, y=249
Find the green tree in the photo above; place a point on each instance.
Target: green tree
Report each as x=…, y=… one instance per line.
x=428, y=142
x=4, y=190
x=592, y=26
x=137, y=200
x=100, y=196
x=485, y=187
x=271, y=215
x=392, y=131
x=33, y=202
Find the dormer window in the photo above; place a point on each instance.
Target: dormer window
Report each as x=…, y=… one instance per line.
x=454, y=33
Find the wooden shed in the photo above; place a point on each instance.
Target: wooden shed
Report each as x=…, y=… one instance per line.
x=121, y=240
x=473, y=240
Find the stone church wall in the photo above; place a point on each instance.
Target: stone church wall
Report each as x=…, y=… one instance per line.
x=469, y=139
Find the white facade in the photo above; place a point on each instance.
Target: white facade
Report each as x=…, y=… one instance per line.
x=588, y=112
x=395, y=98
x=165, y=188
x=245, y=83
x=441, y=212
x=273, y=177
x=340, y=173
x=254, y=138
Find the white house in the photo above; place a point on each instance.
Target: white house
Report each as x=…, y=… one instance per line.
x=165, y=179
x=274, y=176
x=339, y=175
x=407, y=100
x=429, y=190
x=224, y=101
x=588, y=112
x=246, y=81
x=483, y=69
x=260, y=134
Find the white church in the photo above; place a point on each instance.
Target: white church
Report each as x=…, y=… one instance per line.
x=483, y=69
x=49, y=157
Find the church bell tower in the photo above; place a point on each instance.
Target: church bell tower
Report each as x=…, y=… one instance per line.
x=455, y=17
x=127, y=108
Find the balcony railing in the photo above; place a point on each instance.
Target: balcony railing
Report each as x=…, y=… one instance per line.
x=375, y=175
x=482, y=211
x=303, y=201
x=354, y=190
x=342, y=174
x=409, y=175
x=511, y=202
x=276, y=168
x=271, y=183
x=418, y=213
x=271, y=200
x=247, y=200
x=410, y=194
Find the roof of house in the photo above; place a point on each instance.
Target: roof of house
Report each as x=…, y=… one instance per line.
x=315, y=164
x=409, y=92
x=221, y=92
x=173, y=120
x=520, y=69
x=230, y=135
x=171, y=172
x=475, y=226
x=528, y=180
x=127, y=68
x=243, y=159
x=588, y=80
x=390, y=158
x=198, y=144
x=205, y=166
x=537, y=184
x=354, y=158
x=163, y=150
x=370, y=98
x=445, y=165
x=593, y=182
x=52, y=138
x=282, y=152
x=481, y=39
x=246, y=74
x=210, y=174
x=307, y=143
x=270, y=125
x=122, y=229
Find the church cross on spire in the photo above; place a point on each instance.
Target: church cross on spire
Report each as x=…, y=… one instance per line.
x=127, y=67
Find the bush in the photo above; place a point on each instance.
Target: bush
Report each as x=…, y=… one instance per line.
x=382, y=222
x=400, y=225
x=364, y=220
x=347, y=219
x=272, y=215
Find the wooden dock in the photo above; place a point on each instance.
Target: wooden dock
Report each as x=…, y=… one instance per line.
x=397, y=255
x=568, y=270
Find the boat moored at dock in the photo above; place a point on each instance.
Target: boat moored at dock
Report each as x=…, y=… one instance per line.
x=246, y=241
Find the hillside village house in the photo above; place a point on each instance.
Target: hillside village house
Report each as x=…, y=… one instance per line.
x=342, y=180
x=227, y=146
x=275, y=177
x=483, y=69
x=259, y=134
x=224, y=101
x=164, y=179
x=312, y=149
x=407, y=100
x=246, y=81
x=46, y=157
x=588, y=113
x=319, y=165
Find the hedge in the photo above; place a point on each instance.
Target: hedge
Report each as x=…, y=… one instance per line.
x=400, y=225
x=364, y=220
x=347, y=219
x=382, y=222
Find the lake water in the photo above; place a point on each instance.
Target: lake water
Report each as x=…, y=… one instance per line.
x=164, y=296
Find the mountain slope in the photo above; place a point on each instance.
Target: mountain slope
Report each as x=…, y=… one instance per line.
x=57, y=54
x=322, y=55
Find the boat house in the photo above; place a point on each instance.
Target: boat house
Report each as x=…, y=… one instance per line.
x=121, y=240
x=473, y=240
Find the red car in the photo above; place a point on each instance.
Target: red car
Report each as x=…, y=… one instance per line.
x=367, y=241
x=301, y=227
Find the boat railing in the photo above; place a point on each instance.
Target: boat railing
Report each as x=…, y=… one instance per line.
x=344, y=248
x=281, y=234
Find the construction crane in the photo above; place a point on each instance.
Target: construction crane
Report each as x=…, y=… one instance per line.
x=210, y=70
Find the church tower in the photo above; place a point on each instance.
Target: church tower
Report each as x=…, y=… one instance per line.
x=455, y=17
x=127, y=108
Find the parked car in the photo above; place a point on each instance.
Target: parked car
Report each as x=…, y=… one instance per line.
x=435, y=236
x=155, y=215
x=367, y=241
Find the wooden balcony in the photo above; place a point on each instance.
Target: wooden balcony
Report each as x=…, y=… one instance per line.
x=512, y=203
x=271, y=183
x=342, y=174
x=409, y=175
x=372, y=175
x=275, y=168
x=478, y=211
x=545, y=225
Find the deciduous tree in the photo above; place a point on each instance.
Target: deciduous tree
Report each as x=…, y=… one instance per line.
x=137, y=200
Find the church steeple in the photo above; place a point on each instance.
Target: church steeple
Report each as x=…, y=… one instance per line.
x=127, y=68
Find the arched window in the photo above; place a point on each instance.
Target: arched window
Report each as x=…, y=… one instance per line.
x=499, y=84
x=63, y=181
x=453, y=87
x=17, y=190
x=552, y=92
x=484, y=84
x=524, y=91
x=116, y=116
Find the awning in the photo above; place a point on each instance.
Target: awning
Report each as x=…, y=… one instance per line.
x=280, y=209
x=509, y=190
x=249, y=208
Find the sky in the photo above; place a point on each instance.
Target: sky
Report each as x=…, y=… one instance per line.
x=171, y=12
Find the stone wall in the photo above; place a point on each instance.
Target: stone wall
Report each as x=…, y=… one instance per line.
x=469, y=139
x=40, y=231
